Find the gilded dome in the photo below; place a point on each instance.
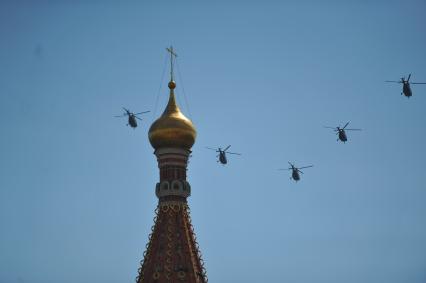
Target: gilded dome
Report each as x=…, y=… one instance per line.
x=172, y=129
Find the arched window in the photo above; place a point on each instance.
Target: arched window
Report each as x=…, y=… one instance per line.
x=165, y=185
x=176, y=185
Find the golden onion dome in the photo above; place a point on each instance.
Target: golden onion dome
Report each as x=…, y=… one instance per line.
x=172, y=129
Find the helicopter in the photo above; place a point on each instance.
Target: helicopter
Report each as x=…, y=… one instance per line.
x=222, y=154
x=341, y=132
x=295, y=171
x=406, y=89
x=132, y=117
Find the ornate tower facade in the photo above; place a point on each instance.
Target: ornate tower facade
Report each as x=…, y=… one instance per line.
x=172, y=253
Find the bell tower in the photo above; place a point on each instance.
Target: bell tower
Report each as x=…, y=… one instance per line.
x=172, y=253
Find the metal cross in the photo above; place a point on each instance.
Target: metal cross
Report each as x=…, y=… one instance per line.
x=172, y=53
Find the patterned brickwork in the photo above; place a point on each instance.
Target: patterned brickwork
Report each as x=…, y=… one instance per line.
x=172, y=253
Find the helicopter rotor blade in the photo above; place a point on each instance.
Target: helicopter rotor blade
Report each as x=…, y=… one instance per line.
x=233, y=153
x=142, y=112
x=333, y=128
x=227, y=148
x=306, y=167
x=345, y=125
x=284, y=169
x=119, y=116
x=399, y=82
x=127, y=110
x=409, y=76
x=353, y=129
x=138, y=118
x=298, y=170
x=418, y=83
x=215, y=149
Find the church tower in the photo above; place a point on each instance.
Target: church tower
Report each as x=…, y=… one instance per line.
x=172, y=254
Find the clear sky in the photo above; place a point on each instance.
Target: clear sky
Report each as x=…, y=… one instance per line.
x=77, y=186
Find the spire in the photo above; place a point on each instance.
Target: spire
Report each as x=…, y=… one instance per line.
x=172, y=253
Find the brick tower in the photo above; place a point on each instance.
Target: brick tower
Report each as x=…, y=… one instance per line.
x=172, y=253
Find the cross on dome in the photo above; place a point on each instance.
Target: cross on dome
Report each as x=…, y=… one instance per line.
x=172, y=53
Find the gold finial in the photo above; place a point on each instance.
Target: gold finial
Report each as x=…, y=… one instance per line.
x=172, y=85
x=172, y=53
x=172, y=129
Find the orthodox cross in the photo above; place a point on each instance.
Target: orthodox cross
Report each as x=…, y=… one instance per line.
x=172, y=53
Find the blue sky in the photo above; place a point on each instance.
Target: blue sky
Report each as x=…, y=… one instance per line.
x=77, y=186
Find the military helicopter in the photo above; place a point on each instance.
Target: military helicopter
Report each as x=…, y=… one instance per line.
x=406, y=89
x=222, y=154
x=132, y=117
x=295, y=171
x=341, y=132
